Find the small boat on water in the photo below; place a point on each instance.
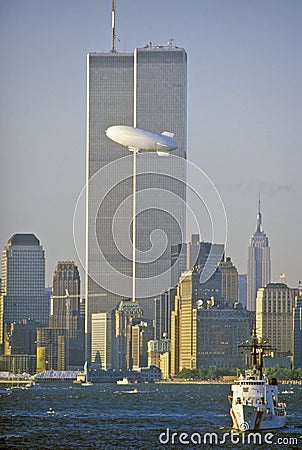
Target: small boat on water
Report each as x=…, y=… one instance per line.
x=82, y=377
x=135, y=391
x=254, y=399
x=124, y=381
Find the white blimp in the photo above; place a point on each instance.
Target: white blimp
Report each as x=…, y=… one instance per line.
x=139, y=139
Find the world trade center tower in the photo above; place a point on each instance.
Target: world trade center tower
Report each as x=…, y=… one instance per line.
x=146, y=89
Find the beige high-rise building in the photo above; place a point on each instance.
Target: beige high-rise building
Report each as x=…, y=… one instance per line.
x=159, y=355
x=229, y=282
x=274, y=316
x=183, y=327
x=101, y=339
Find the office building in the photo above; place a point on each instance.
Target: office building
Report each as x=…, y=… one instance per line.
x=259, y=263
x=297, y=330
x=141, y=332
x=52, y=349
x=159, y=355
x=122, y=317
x=229, y=282
x=146, y=89
x=163, y=305
x=178, y=262
x=65, y=309
x=242, y=289
x=20, y=338
x=18, y=363
x=23, y=281
x=184, y=327
x=210, y=290
x=204, y=257
x=274, y=316
x=65, y=299
x=205, y=333
x=101, y=340
x=219, y=331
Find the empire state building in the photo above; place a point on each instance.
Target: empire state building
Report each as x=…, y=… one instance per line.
x=259, y=263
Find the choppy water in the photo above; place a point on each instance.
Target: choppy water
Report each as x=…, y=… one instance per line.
x=112, y=417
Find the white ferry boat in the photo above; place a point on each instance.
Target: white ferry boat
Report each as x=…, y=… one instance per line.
x=254, y=399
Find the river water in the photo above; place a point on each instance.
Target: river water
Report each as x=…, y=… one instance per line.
x=158, y=416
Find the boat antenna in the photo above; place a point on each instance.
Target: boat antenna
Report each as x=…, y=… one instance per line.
x=254, y=343
x=113, y=35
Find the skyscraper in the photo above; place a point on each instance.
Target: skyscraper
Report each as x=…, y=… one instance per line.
x=184, y=326
x=23, y=281
x=229, y=280
x=65, y=299
x=101, y=339
x=274, y=316
x=219, y=331
x=52, y=349
x=297, y=330
x=163, y=305
x=259, y=263
x=122, y=316
x=141, y=333
x=65, y=309
x=146, y=89
x=242, y=289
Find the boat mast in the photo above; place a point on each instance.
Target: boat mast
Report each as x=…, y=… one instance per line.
x=256, y=347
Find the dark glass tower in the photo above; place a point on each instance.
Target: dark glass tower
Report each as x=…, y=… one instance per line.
x=65, y=310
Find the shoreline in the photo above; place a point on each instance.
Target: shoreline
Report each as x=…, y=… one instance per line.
x=292, y=382
x=193, y=382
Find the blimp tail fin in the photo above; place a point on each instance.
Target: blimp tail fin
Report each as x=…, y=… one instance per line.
x=162, y=153
x=168, y=133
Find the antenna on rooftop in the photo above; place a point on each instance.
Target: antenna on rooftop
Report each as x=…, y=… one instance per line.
x=113, y=27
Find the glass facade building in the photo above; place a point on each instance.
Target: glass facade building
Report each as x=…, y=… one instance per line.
x=23, y=281
x=146, y=89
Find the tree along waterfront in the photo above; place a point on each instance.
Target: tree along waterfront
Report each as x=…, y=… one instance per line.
x=213, y=373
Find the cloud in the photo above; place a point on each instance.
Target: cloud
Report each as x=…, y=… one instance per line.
x=267, y=188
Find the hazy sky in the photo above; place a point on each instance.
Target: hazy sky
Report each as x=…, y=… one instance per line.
x=244, y=111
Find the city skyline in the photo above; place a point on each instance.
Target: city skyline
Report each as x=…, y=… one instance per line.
x=244, y=106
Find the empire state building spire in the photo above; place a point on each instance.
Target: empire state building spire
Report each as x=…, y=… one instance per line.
x=259, y=228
